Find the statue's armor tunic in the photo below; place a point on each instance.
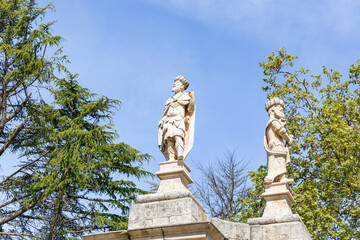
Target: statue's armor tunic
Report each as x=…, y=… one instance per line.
x=174, y=116
x=276, y=162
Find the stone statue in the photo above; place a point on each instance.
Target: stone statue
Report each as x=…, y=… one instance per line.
x=176, y=127
x=278, y=156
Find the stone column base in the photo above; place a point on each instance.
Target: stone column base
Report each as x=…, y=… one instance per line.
x=278, y=200
x=277, y=221
x=172, y=204
x=271, y=228
x=166, y=212
x=174, y=178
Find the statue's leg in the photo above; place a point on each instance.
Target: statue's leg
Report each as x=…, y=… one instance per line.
x=170, y=149
x=270, y=176
x=179, y=145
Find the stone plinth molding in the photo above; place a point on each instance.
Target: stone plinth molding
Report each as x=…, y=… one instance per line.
x=278, y=200
x=198, y=231
x=174, y=178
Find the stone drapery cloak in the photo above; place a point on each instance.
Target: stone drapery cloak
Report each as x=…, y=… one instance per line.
x=177, y=120
x=277, y=153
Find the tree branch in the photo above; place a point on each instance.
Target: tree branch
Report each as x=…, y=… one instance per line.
x=16, y=213
x=17, y=234
x=11, y=138
x=18, y=109
x=20, y=169
x=14, y=200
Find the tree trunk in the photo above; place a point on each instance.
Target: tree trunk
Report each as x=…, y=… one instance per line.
x=56, y=216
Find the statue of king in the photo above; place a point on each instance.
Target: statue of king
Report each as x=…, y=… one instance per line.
x=176, y=127
x=278, y=156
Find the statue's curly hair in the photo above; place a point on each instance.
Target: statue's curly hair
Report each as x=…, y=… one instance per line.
x=183, y=80
x=274, y=101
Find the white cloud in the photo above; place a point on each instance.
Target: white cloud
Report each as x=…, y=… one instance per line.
x=275, y=20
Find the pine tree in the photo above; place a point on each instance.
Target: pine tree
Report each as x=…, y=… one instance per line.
x=73, y=174
x=79, y=175
x=25, y=67
x=24, y=64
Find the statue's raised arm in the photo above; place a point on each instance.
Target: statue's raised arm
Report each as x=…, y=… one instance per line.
x=277, y=142
x=176, y=127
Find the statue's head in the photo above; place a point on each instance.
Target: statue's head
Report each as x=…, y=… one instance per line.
x=275, y=107
x=180, y=84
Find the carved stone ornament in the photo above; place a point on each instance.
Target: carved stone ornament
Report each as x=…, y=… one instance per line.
x=176, y=127
x=277, y=193
x=276, y=142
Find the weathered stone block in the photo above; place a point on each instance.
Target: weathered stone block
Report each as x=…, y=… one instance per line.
x=232, y=230
x=163, y=213
x=256, y=232
x=115, y=235
x=162, y=221
x=287, y=230
x=181, y=219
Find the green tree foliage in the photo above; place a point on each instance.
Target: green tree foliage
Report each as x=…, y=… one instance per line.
x=24, y=65
x=78, y=182
x=323, y=113
x=252, y=204
x=72, y=173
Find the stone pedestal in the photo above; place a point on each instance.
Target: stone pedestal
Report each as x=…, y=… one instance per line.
x=278, y=221
x=172, y=204
x=174, y=178
x=166, y=212
x=278, y=199
x=288, y=227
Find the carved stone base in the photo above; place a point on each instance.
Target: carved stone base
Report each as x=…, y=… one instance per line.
x=277, y=221
x=288, y=227
x=166, y=212
x=172, y=204
x=278, y=200
x=174, y=178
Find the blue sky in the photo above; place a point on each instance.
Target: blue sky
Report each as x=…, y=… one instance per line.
x=132, y=50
